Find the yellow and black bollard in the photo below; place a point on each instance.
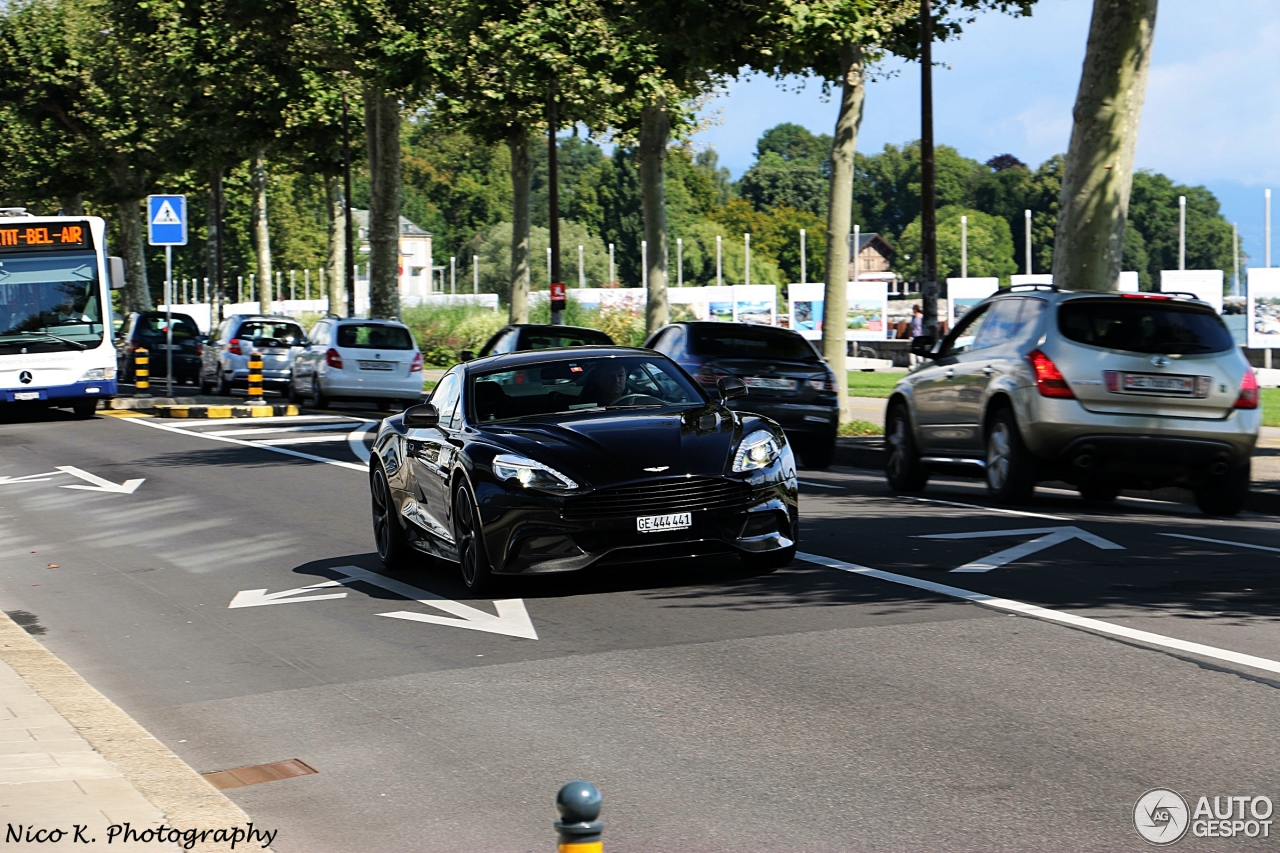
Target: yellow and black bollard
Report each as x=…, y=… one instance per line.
x=142, y=372
x=579, y=825
x=255, y=379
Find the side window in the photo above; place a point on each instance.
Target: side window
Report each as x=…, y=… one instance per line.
x=1029, y=319
x=1002, y=324
x=319, y=334
x=506, y=343
x=962, y=336
x=667, y=342
x=445, y=397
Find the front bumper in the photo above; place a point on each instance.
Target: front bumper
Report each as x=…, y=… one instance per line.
x=527, y=534
x=61, y=394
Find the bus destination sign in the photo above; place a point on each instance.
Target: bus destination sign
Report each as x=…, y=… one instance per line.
x=45, y=236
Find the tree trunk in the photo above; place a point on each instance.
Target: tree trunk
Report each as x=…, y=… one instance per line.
x=335, y=263
x=137, y=292
x=521, y=171
x=72, y=205
x=835, y=306
x=655, y=133
x=261, y=236
x=213, y=223
x=382, y=127
x=1089, y=243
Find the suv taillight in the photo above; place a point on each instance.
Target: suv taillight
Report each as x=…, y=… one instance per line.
x=416, y=367
x=199, y=349
x=333, y=358
x=1049, y=380
x=1248, y=398
x=233, y=346
x=828, y=384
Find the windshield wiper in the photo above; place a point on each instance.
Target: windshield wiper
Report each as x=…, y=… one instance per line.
x=53, y=337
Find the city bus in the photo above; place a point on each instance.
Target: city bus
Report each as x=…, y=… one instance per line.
x=56, y=332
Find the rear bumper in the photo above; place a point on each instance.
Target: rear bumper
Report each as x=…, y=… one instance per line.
x=371, y=387
x=63, y=394
x=183, y=365
x=796, y=419
x=269, y=377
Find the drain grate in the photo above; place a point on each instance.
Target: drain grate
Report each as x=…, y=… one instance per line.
x=258, y=773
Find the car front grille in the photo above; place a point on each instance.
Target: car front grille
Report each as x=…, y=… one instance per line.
x=660, y=498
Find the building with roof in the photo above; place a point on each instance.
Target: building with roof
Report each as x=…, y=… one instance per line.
x=415, y=254
x=874, y=259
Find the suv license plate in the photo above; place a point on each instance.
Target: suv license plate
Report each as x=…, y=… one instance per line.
x=770, y=383
x=659, y=523
x=1154, y=383
x=377, y=365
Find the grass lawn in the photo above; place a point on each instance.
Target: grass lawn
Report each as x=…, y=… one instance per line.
x=861, y=428
x=1271, y=407
x=872, y=384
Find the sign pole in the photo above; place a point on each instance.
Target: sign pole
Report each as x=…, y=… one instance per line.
x=168, y=321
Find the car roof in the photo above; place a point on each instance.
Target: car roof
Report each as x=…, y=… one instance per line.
x=558, y=328
x=716, y=324
x=275, y=317
x=364, y=321
x=520, y=358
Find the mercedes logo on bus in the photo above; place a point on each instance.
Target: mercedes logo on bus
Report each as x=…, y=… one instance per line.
x=25, y=377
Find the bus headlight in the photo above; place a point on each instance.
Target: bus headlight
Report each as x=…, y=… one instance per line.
x=99, y=374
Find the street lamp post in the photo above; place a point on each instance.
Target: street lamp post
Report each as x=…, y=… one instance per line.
x=928, y=195
x=1027, y=238
x=719, y=261
x=964, y=247
x=1182, y=232
x=746, y=264
x=679, y=262
x=803, y=277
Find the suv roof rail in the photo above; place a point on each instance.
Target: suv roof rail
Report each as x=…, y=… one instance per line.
x=1180, y=293
x=15, y=211
x=1020, y=287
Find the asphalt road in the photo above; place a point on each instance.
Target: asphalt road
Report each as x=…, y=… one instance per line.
x=818, y=708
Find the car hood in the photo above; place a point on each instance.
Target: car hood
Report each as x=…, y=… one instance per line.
x=610, y=448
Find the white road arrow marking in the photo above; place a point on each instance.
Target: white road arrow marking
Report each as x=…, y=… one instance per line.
x=1049, y=536
x=30, y=478
x=512, y=619
x=1219, y=541
x=128, y=487
x=261, y=598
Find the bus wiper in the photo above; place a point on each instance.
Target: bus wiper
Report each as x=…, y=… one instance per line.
x=59, y=338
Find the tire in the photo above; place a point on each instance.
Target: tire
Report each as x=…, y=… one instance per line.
x=473, y=560
x=1226, y=495
x=317, y=400
x=85, y=408
x=1010, y=468
x=817, y=453
x=388, y=535
x=206, y=386
x=902, y=466
x=1099, y=492
x=292, y=393
x=771, y=561
x=223, y=386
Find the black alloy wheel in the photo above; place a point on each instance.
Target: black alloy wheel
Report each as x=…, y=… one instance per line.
x=1226, y=495
x=473, y=560
x=1010, y=468
x=388, y=535
x=902, y=466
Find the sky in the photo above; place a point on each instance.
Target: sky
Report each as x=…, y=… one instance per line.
x=1007, y=85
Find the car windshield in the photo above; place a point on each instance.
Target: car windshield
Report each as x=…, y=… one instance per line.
x=49, y=301
x=373, y=336
x=1144, y=325
x=750, y=342
x=152, y=328
x=543, y=339
x=288, y=334
x=579, y=385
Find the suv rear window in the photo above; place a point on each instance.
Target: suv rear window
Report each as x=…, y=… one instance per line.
x=750, y=342
x=153, y=328
x=574, y=338
x=258, y=330
x=374, y=336
x=1143, y=325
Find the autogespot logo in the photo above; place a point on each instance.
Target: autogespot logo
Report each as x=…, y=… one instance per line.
x=1161, y=816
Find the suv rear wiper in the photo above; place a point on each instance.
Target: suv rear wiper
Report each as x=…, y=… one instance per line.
x=59, y=338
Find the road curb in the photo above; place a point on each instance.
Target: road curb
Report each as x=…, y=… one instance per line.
x=145, y=403
x=169, y=783
x=271, y=411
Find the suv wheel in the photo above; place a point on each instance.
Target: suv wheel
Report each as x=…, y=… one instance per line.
x=318, y=399
x=902, y=466
x=1225, y=495
x=223, y=386
x=1010, y=467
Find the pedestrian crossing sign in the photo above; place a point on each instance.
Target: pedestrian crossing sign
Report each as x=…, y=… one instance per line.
x=167, y=220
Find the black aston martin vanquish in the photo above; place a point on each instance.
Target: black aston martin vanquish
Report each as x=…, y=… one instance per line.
x=556, y=460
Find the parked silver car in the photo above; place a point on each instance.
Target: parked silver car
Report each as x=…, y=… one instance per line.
x=1102, y=390
x=355, y=358
x=226, y=356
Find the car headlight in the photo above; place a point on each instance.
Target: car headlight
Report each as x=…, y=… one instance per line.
x=98, y=374
x=758, y=450
x=530, y=474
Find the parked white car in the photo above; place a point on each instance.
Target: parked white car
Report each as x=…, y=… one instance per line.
x=358, y=359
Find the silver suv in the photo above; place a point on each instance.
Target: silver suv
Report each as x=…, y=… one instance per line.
x=1102, y=390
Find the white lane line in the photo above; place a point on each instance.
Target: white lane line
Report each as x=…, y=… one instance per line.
x=819, y=485
x=988, y=508
x=242, y=443
x=355, y=441
x=302, y=439
x=191, y=423
x=1221, y=542
x=1044, y=613
x=264, y=430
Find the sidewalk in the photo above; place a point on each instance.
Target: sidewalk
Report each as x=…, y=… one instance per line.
x=71, y=760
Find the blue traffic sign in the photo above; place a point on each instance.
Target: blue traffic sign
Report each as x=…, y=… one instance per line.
x=167, y=220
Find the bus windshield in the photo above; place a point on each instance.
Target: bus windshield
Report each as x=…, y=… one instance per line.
x=50, y=302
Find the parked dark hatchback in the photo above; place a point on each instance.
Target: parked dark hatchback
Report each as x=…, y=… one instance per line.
x=786, y=378
x=147, y=330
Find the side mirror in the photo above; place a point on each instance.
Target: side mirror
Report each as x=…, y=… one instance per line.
x=731, y=387
x=421, y=415
x=466, y=355
x=115, y=273
x=924, y=346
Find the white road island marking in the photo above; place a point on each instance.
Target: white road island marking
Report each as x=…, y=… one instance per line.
x=818, y=485
x=512, y=619
x=261, y=598
x=1036, y=612
x=988, y=508
x=364, y=469
x=128, y=487
x=1221, y=542
x=1049, y=536
x=29, y=478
